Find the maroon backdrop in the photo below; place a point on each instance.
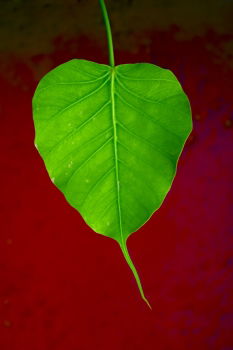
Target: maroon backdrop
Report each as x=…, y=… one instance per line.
x=65, y=287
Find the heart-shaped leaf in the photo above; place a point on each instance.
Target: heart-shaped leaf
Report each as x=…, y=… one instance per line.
x=110, y=138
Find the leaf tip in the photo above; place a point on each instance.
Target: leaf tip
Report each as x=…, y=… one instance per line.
x=133, y=269
x=147, y=302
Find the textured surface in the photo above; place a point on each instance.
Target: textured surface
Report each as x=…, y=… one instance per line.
x=111, y=138
x=65, y=287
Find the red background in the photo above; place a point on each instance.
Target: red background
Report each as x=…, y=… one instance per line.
x=62, y=285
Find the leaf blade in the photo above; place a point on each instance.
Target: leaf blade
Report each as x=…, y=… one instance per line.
x=95, y=126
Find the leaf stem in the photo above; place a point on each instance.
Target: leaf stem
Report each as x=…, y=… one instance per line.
x=133, y=269
x=109, y=32
x=112, y=64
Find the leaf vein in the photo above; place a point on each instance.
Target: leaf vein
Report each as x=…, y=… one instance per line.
x=79, y=100
x=72, y=83
x=87, y=160
x=139, y=177
x=155, y=147
x=156, y=122
x=98, y=182
x=76, y=129
x=81, y=146
x=133, y=154
x=139, y=79
x=143, y=98
x=114, y=122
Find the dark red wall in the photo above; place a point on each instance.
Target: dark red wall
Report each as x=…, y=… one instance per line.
x=64, y=287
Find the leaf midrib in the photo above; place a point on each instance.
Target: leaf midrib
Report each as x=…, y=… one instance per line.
x=114, y=122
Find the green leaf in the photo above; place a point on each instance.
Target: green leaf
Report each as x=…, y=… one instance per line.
x=110, y=138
